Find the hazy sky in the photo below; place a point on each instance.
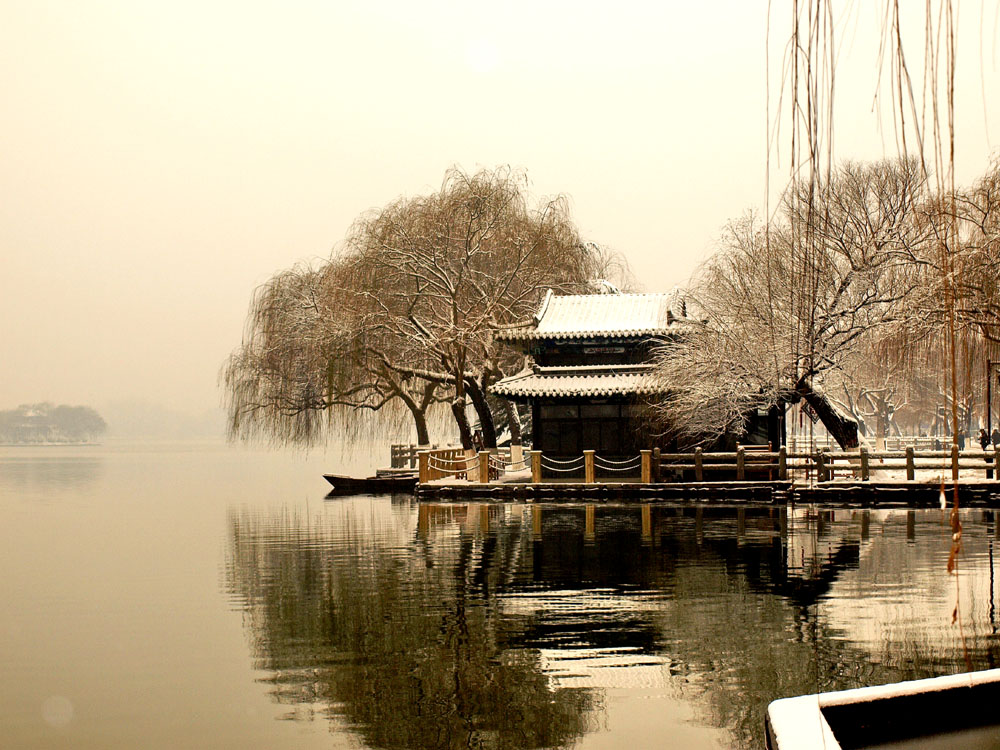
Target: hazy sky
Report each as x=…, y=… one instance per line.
x=159, y=160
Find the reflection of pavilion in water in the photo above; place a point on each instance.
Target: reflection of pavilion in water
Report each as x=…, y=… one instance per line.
x=501, y=608
x=591, y=581
x=635, y=549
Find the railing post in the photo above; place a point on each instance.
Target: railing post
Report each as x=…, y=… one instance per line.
x=423, y=520
x=656, y=465
x=820, y=466
x=699, y=469
x=484, y=467
x=909, y=462
x=782, y=463
x=647, y=466
x=741, y=457
x=536, y=466
x=954, y=462
x=588, y=467
x=864, y=464
x=423, y=462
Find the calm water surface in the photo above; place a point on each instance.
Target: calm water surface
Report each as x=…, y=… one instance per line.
x=201, y=596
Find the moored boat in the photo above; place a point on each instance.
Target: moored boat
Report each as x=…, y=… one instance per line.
x=344, y=485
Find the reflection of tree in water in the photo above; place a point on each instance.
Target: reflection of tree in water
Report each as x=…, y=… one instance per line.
x=745, y=614
x=435, y=641
x=753, y=628
x=393, y=641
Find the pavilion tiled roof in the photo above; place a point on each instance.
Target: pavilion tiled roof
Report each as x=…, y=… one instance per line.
x=597, y=381
x=598, y=315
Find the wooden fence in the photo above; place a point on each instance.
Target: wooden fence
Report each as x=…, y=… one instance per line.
x=826, y=465
x=403, y=456
x=804, y=444
x=747, y=463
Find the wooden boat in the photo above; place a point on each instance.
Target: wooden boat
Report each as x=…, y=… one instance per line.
x=343, y=485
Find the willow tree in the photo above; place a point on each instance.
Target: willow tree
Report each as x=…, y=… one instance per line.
x=764, y=343
x=305, y=366
x=404, y=314
x=977, y=274
x=438, y=275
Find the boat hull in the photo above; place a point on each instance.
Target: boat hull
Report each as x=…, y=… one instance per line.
x=343, y=485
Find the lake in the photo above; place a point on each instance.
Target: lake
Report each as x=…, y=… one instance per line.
x=199, y=595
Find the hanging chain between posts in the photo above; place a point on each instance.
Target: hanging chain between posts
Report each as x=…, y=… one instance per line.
x=470, y=465
x=522, y=464
x=574, y=464
x=617, y=463
x=629, y=464
x=620, y=469
x=440, y=460
x=564, y=463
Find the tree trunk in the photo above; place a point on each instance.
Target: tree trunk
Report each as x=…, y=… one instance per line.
x=419, y=411
x=458, y=410
x=842, y=428
x=420, y=420
x=423, y=434
x=478, y=396
x=513, y=422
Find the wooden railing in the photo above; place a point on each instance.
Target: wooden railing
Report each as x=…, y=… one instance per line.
x=747, y=463
x=485, y=466
x=862, y=463
x=445, y=462
x=804, y=444
x=403, y=456
x=826, y=465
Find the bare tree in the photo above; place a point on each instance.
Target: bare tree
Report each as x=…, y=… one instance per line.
x=977, y=285
x=783, y=310
x=438, y=275
x=404, y=315
x=306, y=367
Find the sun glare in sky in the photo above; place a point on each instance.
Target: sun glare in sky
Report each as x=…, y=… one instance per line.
x=482, y=55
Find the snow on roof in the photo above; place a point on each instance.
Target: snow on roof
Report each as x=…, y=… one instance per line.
x=589, y=315
x=566, y=382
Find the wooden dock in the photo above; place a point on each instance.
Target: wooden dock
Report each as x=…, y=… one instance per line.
x=751, y=474
x=548, y=492
x=838, y=493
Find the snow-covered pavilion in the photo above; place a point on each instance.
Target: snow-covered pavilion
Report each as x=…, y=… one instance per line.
x=589, y=371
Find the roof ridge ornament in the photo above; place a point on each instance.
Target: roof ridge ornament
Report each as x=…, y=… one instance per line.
x=545, y=305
